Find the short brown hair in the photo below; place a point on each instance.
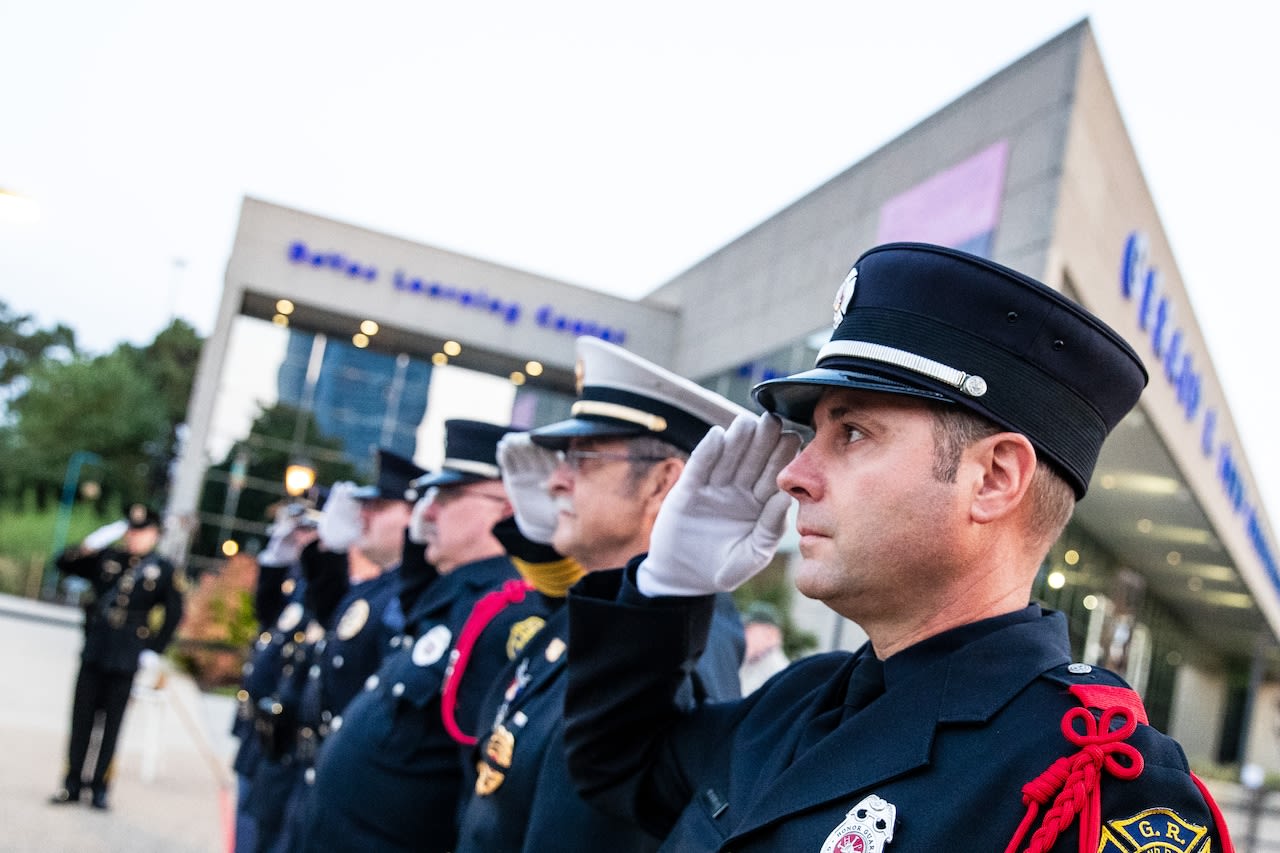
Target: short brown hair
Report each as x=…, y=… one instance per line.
x=956, y=428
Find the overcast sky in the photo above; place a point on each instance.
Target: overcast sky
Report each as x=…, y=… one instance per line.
x=609, y=145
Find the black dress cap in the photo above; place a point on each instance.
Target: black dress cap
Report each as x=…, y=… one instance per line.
x=946, y=325
x=470, y=454
x=141, y=515
x=622, y=395
x=395, y=474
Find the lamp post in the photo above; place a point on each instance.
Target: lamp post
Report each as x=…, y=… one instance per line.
x=69, y=484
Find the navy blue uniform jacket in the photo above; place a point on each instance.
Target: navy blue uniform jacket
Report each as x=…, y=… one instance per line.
x=967, y=719
x=534, y=808
x=126, y=588
x=388, y=779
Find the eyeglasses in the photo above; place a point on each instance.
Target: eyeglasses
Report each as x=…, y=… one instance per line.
x=442, y=497
x=574, y=457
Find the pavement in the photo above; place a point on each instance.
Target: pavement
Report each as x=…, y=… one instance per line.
x=172, y=791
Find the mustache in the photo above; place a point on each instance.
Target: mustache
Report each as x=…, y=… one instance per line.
x=562, y=504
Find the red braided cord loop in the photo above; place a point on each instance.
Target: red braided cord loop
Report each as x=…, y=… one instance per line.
x=481, y=615
x=1074, y=781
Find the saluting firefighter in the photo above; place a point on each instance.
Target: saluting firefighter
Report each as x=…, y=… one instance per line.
x=958, y=411
x=134, y=612
x=388, y=778
x=589, y=488
x=351, y=601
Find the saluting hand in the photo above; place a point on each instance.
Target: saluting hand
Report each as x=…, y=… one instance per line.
x=339, y=525
x=526, y=467
x=722, y=521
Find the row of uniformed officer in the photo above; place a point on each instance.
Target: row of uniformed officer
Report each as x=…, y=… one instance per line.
x=389, y=778
x=348, y=616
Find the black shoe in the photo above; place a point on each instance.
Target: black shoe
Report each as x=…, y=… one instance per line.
x=99, y=800
x=63, y=796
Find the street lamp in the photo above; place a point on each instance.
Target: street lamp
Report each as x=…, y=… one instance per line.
x=299, y=477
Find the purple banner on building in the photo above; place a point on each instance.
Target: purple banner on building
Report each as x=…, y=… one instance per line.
x=958, y=207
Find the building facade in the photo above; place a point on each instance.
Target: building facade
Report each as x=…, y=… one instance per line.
x=1168, y=571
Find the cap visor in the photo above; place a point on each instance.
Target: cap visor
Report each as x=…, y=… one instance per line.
x=556, y=436
x=446, y=477
x=794, y=397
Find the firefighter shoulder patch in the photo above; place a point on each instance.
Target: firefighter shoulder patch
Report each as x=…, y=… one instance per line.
x=1153, y=831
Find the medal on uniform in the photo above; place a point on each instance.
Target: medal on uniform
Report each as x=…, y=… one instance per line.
x=867, y=828
x=501, y=746
x=488, y=780
x=521, y=633
x=151, y=572
x=431, y=646
x=498, y=750
x=555, y=649
x=353, y=619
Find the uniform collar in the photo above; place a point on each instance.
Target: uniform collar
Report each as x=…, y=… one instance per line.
x=913, y=659
x=963, y=679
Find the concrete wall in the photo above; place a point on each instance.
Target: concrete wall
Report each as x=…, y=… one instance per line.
x=1199, y=700
x=774, y=284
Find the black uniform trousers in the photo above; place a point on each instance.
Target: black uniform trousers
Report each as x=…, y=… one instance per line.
x=98, y=691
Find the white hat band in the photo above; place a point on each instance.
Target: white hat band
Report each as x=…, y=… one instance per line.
x=974, y=386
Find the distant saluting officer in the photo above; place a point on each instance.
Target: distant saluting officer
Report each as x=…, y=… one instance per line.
x=121, y=634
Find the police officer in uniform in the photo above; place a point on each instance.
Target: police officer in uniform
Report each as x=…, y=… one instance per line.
x=352, y=585
x=618, y=457
x=958, y=410
x=389, y=778
x=279, y=604
x=136, y=607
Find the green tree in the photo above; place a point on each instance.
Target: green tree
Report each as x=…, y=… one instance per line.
x=169, y=364
x=102, y=405
x=23, y=345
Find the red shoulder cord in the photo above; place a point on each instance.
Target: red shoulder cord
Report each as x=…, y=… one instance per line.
x=1073, y=782
x=482, y=614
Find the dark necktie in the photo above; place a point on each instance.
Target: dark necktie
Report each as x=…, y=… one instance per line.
x=866, y=682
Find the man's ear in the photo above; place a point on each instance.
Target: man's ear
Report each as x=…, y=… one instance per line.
x=662, y=479
x=1006, y=463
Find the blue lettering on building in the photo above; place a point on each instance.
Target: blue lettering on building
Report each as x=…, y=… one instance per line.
x=476, y=299
x=549, y=318
x=1141, y=282
x=299, y=253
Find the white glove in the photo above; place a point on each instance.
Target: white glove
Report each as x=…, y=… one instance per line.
x=282, y=548
x=526, y=467
x=418, y=519
x=148, y=660
x=340, y=526
x=721, y=522
x=105, y=535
